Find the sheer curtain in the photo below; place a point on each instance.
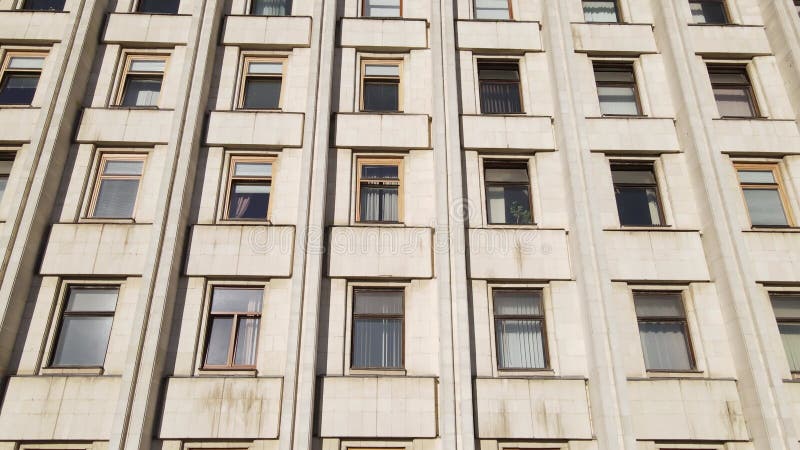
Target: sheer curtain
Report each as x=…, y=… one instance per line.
x=600, y=11
x=379, y=204
x=664, y=346
x=790, y=333
x=378, y=341
x=519, y=330
x=272, y=7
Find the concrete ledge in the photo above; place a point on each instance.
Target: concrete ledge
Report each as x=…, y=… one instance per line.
x=400, y=131
x=497, y=253
x=221, y=408
x=640, y=134
x=123, y=125
x=160, y=29
x=384, y=34
x=532, y=409
x=240, y=250
x=96, y=249
x=18, y=124
x=687, y=410
x=267, y=31
x=380, y=252
x=490, y=132
x=738, y=41
x=617, y=39
x=656, y=256
x=378, y=407
x=33, y=26
x=262, y=128
x=775, y=256
x=500, y=36
x=60, y=408
x=777, y=137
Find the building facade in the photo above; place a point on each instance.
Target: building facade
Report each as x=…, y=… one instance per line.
x=400, y=224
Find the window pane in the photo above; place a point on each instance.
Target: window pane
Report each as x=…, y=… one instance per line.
x=765, y=207
x=219, y=340
x=734, y=102
x=140, y=91
x=507, y=175
x=116, y=199
x=377, y=343
x=262, y=93
x=605, y=74
x=378, y=302
x=492, y=9
x=159, y=6
x=379, y=204
x=790, y=334
x=3, y=184
x=520, y=344
x=500, y=98
x=381, y=96
x=18, y=89
x=26, y=62
x=708, y=12
x=658, y=304
x=382, y=70
x=509, y=205
x=757, y=176
x=237, y=300
x=382, y=8
x=44, y=5
x=82, y=341
x=786, y=306
x=265, y=67
x=732, y=76
x=621, y=175
x=665, y=346
x=517, y=303
x=637, y=206
x=271, y=7
x=253, y=169
x=92, y=300
x=618, y=100
x=246, y=340
x=379, y=171
x=491, y=72
x=603, y=11
x=249, y=200
x=123, y=167
x=148, y=65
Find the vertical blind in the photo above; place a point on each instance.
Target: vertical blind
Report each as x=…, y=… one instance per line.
x=519, y=325
x=377, y=329
x=272, y=7
x=787, y=312
x=662, y=329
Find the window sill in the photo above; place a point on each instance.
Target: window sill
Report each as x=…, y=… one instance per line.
x=772, y=230
x=107, y=220
x=72, y=371
x=671, y=374
x=525, y=373
x=621, y=116
x=243, y=222
x=13, y=106
x=379, y=224
x=60, y=11
x=138, y=108
x=258, y=110
x=364, y=111
x=760, y=118
x=228, y=372
x=386, y=372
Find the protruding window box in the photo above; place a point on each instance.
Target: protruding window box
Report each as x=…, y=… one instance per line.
x=499, y=132
x=774, y=253
x=640, y=134
x=18, y=124
x=267, y=31
x=240, y=250
x=380, y=252
x=763, y=137
x=125, y=125
x=371, y=33
x=729, y=40
x=500, y=36
x=517, y=253
x=372, y=130
x=614, y=38
x=656, y=255
x=41, y=27
x=251, y=128
x=161, y=29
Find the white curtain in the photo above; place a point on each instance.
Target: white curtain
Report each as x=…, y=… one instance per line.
x=664, y=346
x=377, y=343
x=790, y=333
x=246, y=342
x=617, y=100
x=272, y=7
x=600, y=11
x=379, y=204
x=519, y=344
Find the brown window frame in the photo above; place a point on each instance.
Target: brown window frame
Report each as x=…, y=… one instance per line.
x=500, y=62
x=376, y=78
x=778, y=320
x=510, y=12
x=507, y=163
x=641, y=165
x=232, y=178
x=402, y=317
x=364, y=11
x=725, y=11
x=542, y=318
x=99, y=177
x=740, y=70
x=5, y=70
x=603, y=66
x=683, y=320
x=7, y=156
x=617, y=11
x=246, y=75
x=235, y=316
x=66, y=292
x=377, y=161
x=127, y=72
x=778, y=185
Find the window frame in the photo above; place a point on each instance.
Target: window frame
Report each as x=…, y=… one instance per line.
x=246, y=59
x=235, y=316
x=380, y=161
x=618, y=13
x=749, y=86
x=102, y=159
x=7, y=56
x=548, y=367
x=779, y=186
x=23, y=7
x=520, y=82
x=8, y=154
x=650, y=165
x=122, y=86
x=363, y=12
x=684, y=320
x=772, y=295
x=725, y=11
x=484, y=161
x=353, y=316
x=139, y=3
x=230, y=177
x=609, y=66
x=363, y=75
x=510, y=12
x=251, y=3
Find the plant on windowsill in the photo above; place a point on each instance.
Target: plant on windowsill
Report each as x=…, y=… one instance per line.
x=521, y=213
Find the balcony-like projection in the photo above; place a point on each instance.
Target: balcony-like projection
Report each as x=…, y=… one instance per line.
x=33, y=26
x=380, y=252
x=729, y=41
x=400, y=131
x=160, y=29
x=775, y=256
x=96, y=249
x=240, y=250
x=765, y=137
x=490, y=132
x=635, y=134
x=656, y=256
x=499, y=36
x=123, y=125
x=497, y=253
x=18, y=124
x=247, y=128
x=384, y=34
x=267, y=31
x=614, y=38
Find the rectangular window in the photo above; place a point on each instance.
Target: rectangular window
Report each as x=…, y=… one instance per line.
x=519, y=329
x=271, y=7
x=493, y=9
x=261, y=88
x=600, y=11
x=43, y=5
x=499, y=86
x=508, y=193
x=85, y=326
x=142, y=81
x=249, y=187
x=117, y=186
x=709, y=11
x=20, y=77
x=380, y=86
x=663, y=331
x=233, y=324
x=733, y=91
x=636, y=191
x=377, y=329
x=616, y=90
x=787, y=313
x=6, y=162
x=379, y=190
x=158, y=6
x=382, y=8
x=763, y=194
x=797, y=6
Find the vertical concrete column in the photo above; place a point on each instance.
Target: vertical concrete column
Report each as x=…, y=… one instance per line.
x=783, y=33
x=50, y=146
x=141, y=380
x=760, y=387
x=608, y=394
